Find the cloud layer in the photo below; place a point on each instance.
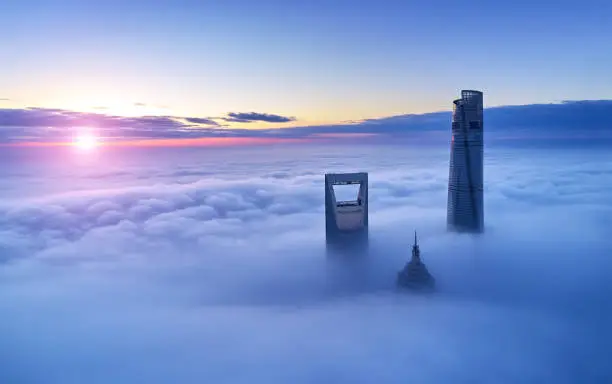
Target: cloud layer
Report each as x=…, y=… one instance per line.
x=569, y=121
x=213, y=269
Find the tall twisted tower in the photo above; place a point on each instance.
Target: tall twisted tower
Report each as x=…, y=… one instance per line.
x=465, y=209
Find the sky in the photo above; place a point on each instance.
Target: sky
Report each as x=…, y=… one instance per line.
x=569, y=122
x=313, y=62
x=190, y=265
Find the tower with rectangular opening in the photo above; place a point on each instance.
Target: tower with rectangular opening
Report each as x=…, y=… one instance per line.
x=465, y=209
x=346, y=210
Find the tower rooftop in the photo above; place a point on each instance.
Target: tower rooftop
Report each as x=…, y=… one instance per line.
x=346, y=221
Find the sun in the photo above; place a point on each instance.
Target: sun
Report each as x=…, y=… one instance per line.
x=85, y=141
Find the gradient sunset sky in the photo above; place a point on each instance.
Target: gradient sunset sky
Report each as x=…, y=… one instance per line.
x=318, y=61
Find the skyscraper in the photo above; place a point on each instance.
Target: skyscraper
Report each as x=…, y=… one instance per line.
x=415, y=274
x=346, y=222
x=465, y=181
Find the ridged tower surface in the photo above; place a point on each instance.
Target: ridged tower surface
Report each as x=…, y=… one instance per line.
x=465, y=209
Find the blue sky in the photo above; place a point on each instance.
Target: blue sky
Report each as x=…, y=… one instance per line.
x=318, y=61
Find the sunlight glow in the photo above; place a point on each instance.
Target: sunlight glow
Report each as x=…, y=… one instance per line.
x=85, y=141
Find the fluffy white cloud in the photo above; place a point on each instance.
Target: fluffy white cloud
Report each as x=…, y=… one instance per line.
x=213, y=269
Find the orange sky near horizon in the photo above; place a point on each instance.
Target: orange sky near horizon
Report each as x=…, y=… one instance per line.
x=186, y=142
x=194, y=142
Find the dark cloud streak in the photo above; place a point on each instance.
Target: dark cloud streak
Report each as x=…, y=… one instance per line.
x=254, y=116
x=200, y=120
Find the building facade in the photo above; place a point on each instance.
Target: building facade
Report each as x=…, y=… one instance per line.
x=465, y=209
x=346, y=222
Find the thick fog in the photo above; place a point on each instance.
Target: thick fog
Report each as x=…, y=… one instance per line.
x=209, y=266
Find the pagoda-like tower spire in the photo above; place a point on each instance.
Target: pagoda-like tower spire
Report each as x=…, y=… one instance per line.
x=415, y=274
x=416, y=252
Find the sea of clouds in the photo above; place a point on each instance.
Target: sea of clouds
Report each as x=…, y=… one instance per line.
x=196, y=265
